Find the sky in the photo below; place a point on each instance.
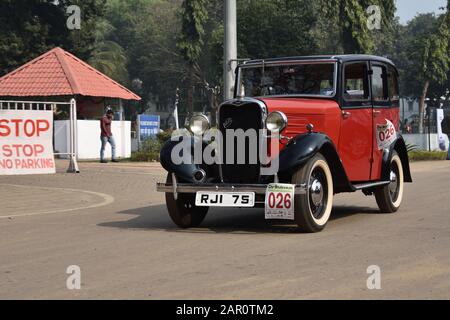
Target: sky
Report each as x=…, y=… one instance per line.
x=407, y=9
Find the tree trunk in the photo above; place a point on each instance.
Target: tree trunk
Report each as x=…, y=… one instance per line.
x=422, y=105
x=190, y=91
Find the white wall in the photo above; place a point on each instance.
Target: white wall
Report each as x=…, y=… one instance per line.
x=89, y=143
x=61, y=136
x=421, y=141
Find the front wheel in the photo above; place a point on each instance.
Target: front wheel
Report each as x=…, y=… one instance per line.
x=389, y=198
x=183, y=211
x=313, y=209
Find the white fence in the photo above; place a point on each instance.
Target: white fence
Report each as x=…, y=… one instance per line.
x=425, y=141
x=88, y=137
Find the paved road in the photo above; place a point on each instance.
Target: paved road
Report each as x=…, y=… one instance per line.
x=115, y=228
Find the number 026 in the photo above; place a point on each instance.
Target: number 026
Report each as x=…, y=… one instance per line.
x=280, y=200
x=386, y=135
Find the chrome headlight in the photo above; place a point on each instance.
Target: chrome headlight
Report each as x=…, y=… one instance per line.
x=276, y=122
x=199, y=124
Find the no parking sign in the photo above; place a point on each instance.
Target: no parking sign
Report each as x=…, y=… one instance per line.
x=26, y=142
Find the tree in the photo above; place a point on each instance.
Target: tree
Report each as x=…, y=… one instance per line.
x=148, y=31
x=435, y=61
x=109, y=58
x=82, y=42
x=25, y=31
x=438, y=90
x=31, y=27
x=351, y=19
x=268, y=28
x=194, y=17
x=424, y=58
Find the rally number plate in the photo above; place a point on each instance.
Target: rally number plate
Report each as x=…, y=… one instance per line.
x=222, y=199
x=280, y=201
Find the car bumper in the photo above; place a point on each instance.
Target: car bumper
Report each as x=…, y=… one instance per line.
x=259, y=189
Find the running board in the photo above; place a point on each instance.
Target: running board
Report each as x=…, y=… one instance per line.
x=368, y=185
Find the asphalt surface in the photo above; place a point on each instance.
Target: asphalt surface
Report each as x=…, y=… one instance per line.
x=109, y=221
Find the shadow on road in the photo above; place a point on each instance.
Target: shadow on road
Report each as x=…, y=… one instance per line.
x=239, y=221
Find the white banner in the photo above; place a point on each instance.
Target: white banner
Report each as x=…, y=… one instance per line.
x=441, y=137
x=26, y=142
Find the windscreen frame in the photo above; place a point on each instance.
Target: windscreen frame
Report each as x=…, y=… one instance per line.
x=262, y=63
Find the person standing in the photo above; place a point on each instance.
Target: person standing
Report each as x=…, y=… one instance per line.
x=107, y=136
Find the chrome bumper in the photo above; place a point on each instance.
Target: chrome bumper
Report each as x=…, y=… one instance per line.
x=193, y=188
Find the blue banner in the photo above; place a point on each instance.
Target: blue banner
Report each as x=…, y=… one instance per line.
x=148, y=126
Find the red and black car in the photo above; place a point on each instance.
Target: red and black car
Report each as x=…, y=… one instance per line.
x=335, y=123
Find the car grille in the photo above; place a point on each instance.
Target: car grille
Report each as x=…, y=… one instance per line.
x=245, y=117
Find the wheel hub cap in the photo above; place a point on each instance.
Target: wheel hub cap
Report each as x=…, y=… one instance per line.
x=393, y=184
x=316, y=192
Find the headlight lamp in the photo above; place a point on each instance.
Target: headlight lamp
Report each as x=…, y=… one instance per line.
x=276, y=122
x=199, y=124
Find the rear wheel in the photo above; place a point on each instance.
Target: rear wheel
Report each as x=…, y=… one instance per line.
x=313, y=209
x=183, y=211
x=389, y=198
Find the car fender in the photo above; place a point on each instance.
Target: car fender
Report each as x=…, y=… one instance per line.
x=398, y=145
x=185, y=171
x=305, y=146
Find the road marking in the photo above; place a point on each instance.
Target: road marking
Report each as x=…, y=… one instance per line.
x=107, y=199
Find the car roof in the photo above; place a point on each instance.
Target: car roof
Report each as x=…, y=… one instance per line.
x=338, y=58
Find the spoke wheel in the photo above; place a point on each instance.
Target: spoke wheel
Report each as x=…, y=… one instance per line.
x=313, y=209
x=394, y=186
x=389, y=198
x=318, y=192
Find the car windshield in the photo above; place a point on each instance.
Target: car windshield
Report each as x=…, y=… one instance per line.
x=288, y=79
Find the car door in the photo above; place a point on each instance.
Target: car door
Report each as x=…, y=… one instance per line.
x=385, y=100
x=356, y=134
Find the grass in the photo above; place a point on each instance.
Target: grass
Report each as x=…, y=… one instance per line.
x=427, y=155
x=143, y=156
x=150, y=148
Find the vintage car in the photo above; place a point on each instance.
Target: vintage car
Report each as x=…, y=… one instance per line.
x=336, y=124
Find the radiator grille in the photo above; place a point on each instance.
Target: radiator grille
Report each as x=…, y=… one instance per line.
x=245, y=117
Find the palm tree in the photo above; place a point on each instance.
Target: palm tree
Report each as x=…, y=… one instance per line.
x=109, y=58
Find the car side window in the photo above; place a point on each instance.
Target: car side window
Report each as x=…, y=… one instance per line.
x=356, y=86
x=393, y=85
x=379, y=83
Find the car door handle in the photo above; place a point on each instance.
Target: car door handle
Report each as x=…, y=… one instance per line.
x=376, y=113
x=346, y=114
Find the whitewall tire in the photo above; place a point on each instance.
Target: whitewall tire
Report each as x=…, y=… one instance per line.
x=313, y=209
x=389, y=198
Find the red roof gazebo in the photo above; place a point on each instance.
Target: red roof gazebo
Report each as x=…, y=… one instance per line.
x=59, y=73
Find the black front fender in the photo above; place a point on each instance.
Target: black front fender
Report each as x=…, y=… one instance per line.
x=300, y=149
x=185, y=171
x=304, y=147
x=399, y=146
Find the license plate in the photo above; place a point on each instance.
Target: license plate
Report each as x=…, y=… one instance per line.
x=222, y=199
